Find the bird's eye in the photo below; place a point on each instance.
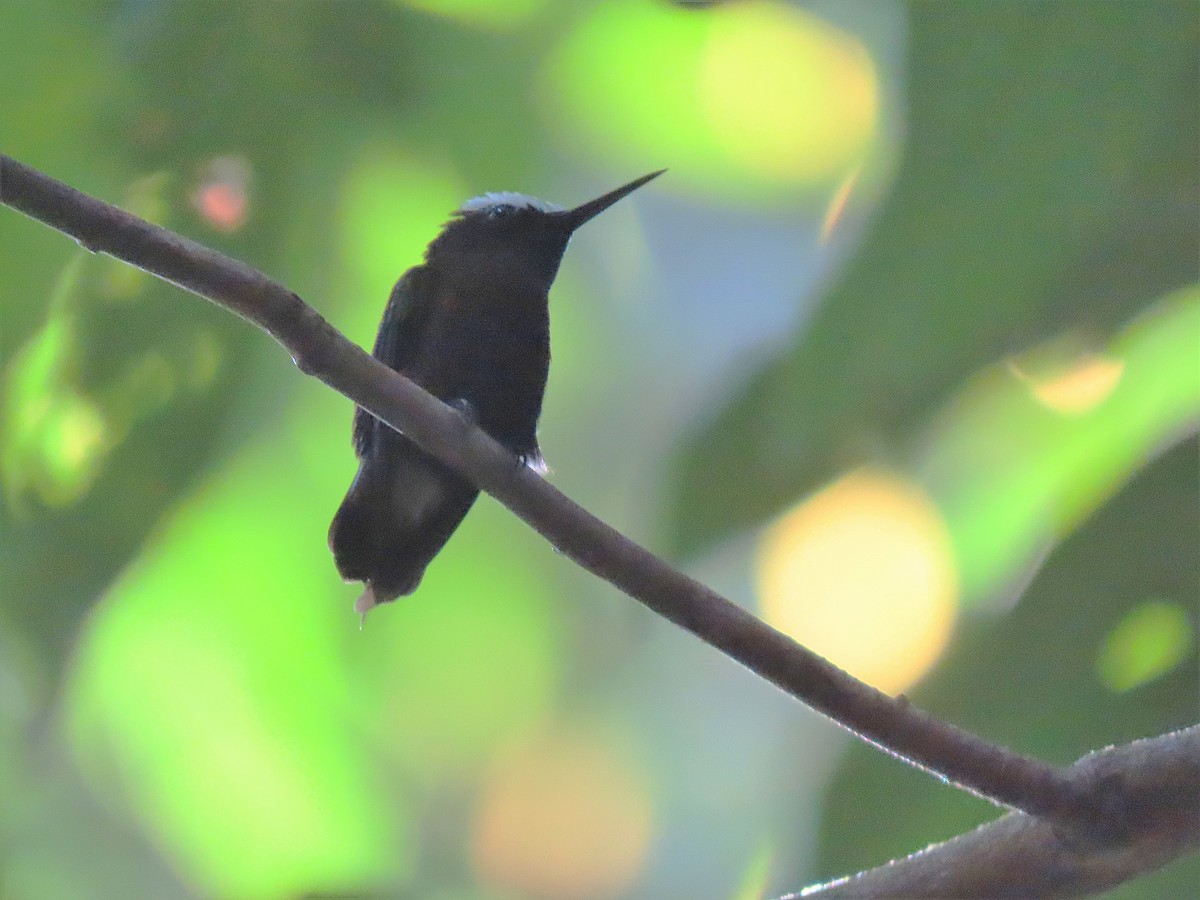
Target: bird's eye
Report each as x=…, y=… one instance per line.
x=500, y=210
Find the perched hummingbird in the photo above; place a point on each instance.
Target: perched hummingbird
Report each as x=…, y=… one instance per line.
x=472, y=327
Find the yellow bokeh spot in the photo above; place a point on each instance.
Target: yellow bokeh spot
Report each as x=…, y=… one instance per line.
x=863, y=574
x=54, y=438
x=741, y=98
x=1076, y=388
x=787, y=95
x=564, y=816
x=75, y=440
x=1149, y=642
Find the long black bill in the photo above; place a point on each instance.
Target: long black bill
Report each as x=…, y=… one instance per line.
x=580, y=214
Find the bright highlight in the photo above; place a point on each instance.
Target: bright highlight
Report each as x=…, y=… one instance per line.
x=838, y=203
x=786, y=94
x=54, y=440
x=741, y=98
x=1075, y=389
x=862, y=573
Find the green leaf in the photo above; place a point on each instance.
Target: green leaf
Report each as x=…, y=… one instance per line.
x=209, y=695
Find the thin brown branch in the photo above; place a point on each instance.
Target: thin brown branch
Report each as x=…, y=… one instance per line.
x=1021, y=856
x=890, y=723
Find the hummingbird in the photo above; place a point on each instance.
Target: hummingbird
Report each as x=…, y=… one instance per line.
x=471, y=325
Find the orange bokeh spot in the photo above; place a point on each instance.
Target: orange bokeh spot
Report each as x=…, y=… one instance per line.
x=564, y=816
x=838, y=203
x=1078, y=388
x=863, y=574
x=222, y=197
x=223, y=206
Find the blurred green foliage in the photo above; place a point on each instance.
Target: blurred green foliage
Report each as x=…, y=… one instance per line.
x=187, y=706
x=1048, y=186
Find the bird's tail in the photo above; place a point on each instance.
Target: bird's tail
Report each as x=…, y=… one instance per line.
x=355, y=526
x=394, y=520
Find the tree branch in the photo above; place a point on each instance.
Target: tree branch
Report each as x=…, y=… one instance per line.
x=1021, y=856
x=890, y=723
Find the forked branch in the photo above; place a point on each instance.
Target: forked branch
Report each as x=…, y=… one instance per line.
x=1023, y=856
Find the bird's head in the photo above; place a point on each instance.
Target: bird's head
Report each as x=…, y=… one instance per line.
x=506, y=232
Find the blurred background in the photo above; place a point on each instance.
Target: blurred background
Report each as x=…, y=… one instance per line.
x=903, y=354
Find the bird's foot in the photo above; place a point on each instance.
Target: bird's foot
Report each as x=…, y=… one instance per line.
x=533, y=460
x=364, y=604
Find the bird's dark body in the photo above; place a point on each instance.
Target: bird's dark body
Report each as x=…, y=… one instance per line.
x=461, y=343
x=472, y=327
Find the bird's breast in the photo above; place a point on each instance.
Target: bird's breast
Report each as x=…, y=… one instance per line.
x=490, y=345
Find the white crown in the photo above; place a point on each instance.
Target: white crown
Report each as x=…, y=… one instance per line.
x=508, y=198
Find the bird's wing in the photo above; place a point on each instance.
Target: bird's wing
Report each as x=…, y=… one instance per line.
x=400, y=333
